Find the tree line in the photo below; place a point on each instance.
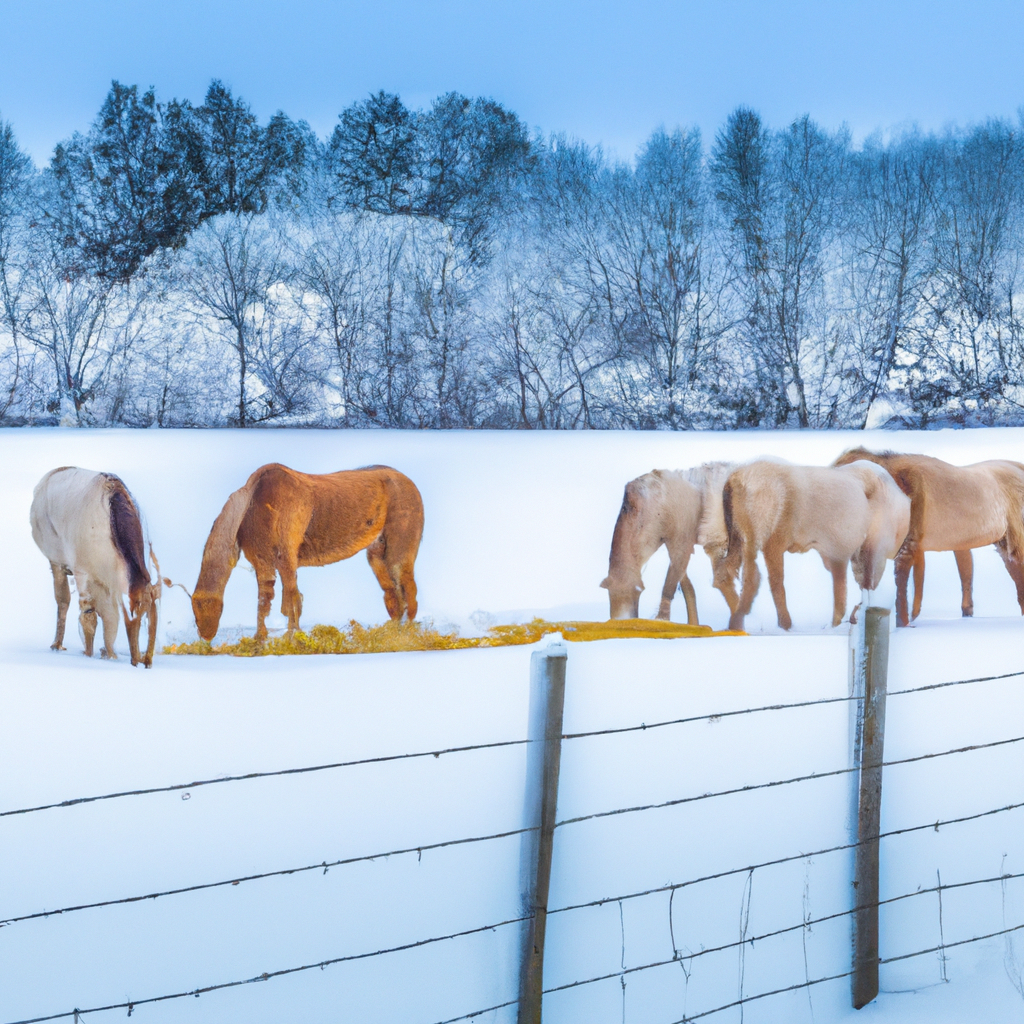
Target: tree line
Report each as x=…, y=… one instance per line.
x=181, y=265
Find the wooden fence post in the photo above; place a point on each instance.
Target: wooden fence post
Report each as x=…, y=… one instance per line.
x=544, y=752
x=869, y=805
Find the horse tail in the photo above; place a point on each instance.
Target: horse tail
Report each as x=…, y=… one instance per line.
x=731, y=533
x=126, y=533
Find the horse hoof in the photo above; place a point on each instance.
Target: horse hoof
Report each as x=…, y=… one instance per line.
x=967, y=613
x=108, y=655
x=57, y=647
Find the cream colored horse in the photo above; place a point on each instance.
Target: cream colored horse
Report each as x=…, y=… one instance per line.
x=677, y=508
x=88, y=526
x=954, y=508
x=855, y=514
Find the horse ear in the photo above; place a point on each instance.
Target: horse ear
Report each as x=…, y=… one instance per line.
x=605, y=583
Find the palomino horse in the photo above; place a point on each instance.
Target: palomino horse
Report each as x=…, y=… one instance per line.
x=282, y=519
x=667, y=507
x=856, y=514
x=954, y=508
x=88, y=526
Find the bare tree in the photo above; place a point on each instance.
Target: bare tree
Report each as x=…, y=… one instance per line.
x=887, y=263
x=236, y=280
x=15, y=178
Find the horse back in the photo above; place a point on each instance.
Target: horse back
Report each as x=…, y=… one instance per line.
x=330, y=516
x=77, y=526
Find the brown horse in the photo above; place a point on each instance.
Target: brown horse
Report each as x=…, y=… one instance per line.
x=855, y=514
x=954, y=508
x=282, y=519
x=667, y=507
x=88, y=526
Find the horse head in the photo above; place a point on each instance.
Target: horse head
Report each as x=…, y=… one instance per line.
x=623, y=597
x=207, y=608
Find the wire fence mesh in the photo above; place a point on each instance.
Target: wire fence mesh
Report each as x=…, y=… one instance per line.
x=680, y=956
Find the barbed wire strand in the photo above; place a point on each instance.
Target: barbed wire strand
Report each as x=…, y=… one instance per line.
x=836, y=977
x=786, y=860
x=715, y=716
x=248, y=776
x=950, y=945
x=954, y=682
x=419, y=850
x=322, y=866
x=781, y=782
x=762, y=995
x=643, y=727
x=267, y=975
x=792, y=928
x=477, y=1013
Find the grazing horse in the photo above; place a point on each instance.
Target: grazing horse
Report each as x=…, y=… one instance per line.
x=954, y=508
x=282, y=519
x=856, y=513
x=88, y=526
x=669, y=507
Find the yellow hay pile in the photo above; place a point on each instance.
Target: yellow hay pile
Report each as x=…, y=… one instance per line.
x=418, y=636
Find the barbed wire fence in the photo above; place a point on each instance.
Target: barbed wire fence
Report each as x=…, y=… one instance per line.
x=678, y=957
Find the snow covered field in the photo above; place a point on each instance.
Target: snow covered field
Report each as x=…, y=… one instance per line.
x=517, y=524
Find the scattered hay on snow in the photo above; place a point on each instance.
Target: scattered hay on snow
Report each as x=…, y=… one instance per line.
x=419, y=636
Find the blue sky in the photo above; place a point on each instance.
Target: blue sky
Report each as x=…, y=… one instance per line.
x=607, y=72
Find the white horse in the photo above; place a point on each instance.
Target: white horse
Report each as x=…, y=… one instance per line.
x=677, y=508
x=88, y=526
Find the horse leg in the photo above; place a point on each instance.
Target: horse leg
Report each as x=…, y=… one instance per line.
x=376, y=555
x=965, y=566
x=87, y=619
x=905, y=559
x=751, y=583
x=918, y=585
x=773, y=560
x=109, y=617
x=407, y=589
x=838, y=570
x=690, y=597
x=726, y=569
x=291, y=599
x=265, y=577
x=1015, y=569
x=62, y=592
x=677, y=573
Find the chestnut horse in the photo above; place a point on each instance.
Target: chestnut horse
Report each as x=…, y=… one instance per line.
x=670, y=507
x=954, y=508
x=854, y=514
x=88, y=526
x=282, y=519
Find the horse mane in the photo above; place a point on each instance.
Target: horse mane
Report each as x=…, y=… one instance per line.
x=126, y=533
x=221, y=551
x=632, y=495
x=731, y=535
x=860, y=449
x=220, y=555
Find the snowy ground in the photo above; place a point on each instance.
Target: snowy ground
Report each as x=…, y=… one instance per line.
x=517, y=524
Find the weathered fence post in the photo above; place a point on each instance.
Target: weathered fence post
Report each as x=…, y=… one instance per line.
x=871, y=731
x=544, y=752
